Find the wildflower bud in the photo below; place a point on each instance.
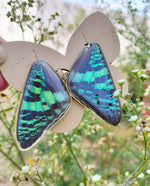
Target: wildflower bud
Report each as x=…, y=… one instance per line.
x=146, y=94
x=133, y=118
x=127, y=174
x=138, y=129
x=93, y=131
x=61, y=173
x=141, y=175
x=141, y=103
x=96, y=178
x=135, y=71
x=148, y=171
x=50, y=143
x=50, y=171
x=128, y=96
x=25, y=169
x=116, y=93
x=139, y=121
x=121, y=82
x=142, y=75
x=81, y=184
x=111, y=150
x=36, y=151
x=146, y=129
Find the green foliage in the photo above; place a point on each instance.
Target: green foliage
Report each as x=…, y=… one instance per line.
x=22, y=13
x=92, y=154
x=135, y=30
x=80, y=15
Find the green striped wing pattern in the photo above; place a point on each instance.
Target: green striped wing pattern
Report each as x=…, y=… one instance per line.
x=45, y=100
x=91, y=83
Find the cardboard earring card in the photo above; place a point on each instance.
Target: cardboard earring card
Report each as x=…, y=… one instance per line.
x=20, y=56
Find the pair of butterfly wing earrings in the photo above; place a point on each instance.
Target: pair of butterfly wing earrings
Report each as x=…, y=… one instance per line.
x=46, y=99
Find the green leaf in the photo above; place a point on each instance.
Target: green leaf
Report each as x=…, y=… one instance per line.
x=35, y=40
x=38, y=19
x=9, y=3
x=8, y=14
x=45, y=30
x=30, y=4
x=53, y=16
x=31, y=1
x=57, y=14
x=51, y=33
x=59, y=24
x=24, y=4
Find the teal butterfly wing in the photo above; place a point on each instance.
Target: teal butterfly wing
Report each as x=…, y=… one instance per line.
x=45, y=100
x=91, y=83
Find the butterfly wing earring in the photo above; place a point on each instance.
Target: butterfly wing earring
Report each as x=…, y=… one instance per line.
x=45, y=100
x=91, y=83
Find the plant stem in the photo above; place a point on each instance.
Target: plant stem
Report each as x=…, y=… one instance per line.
x=10, y=159
x=130, y=102
x=22, y=30
x=19, y=152
x=140, y=87
x=145, y=143
x=138, y=171
x=41, y=180
x=142, y=166
x=14, y=142
x=70, y=148
x=35, y=181
x=8, y=109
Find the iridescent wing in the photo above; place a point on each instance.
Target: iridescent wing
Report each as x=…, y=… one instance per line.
x=45, y=100
x=90, y=82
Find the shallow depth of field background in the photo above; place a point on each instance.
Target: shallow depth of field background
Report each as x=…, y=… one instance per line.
x=95, y=153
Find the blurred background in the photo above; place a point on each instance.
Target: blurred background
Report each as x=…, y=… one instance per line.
x=95, y=153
